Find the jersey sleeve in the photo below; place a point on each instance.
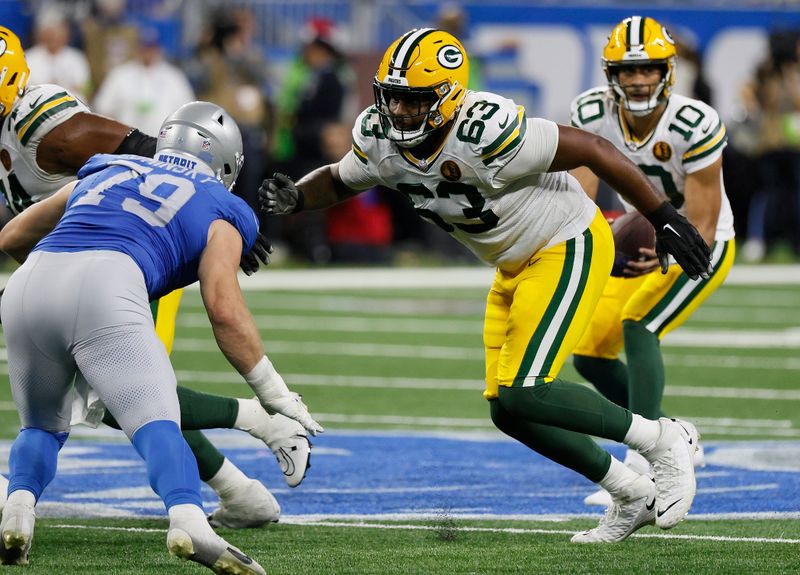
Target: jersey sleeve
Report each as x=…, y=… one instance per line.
x=706, y=141
x=536, y=153
x=359, y=167
x=241, y=216
x=42, y=108
x=497, y=125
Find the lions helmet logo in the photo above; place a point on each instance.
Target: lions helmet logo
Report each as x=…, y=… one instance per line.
x=451, y=171
x=662, y=151
x=450, y=57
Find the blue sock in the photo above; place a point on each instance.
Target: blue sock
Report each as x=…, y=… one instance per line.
x=33, y=460
x=171, y=467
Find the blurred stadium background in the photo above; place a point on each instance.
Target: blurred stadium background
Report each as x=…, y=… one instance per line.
x=255, y=58
x=389, y=358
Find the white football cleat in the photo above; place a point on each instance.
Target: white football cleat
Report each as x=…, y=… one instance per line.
x=286, y=438
x=215, y=553
x=16, y=528
x=672, y=459
x=625, y=515
x=246, y=506
x=3, y=491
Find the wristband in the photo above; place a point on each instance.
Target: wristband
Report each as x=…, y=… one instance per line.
x=661, y=216
x=138, y=144
x=266, y=382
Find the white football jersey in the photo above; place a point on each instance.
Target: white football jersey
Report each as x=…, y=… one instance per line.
x=487, y=185
x=689, y=137
x=40, y=109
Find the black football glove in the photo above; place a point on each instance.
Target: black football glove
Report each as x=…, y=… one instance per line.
x=278, y=195
x=252, y=260
x=675, y=236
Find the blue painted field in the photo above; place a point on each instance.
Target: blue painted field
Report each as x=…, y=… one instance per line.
x=384, y=473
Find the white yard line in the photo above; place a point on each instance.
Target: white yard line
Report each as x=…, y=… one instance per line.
x=363, y=522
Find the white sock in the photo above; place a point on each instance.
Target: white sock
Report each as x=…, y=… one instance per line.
x=619, y=479
x=642, y=434
x=186, y=513
x=22, y=497
x=227, y=480
x=191, y=519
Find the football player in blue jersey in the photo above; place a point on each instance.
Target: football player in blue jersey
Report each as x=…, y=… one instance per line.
x=133, y=229
x=46, y=135
x=475, y=165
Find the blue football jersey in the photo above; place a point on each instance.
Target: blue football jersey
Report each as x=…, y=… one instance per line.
x=157, y=213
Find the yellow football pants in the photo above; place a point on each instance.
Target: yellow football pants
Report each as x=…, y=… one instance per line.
x=165, y=310
x=536, y=315
x=661, y=302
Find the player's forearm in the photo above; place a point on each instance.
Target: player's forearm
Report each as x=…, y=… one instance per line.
x=322, y=188
x=19, y=236
x=237, y=338
x=626, y=178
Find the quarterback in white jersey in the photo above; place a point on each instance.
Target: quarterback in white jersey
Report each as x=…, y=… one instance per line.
x=46, y=135
x=678, y=142
x=475, y=165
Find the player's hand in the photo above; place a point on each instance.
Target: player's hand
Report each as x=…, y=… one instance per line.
x=259, y=254
x=675, y=236
x=278, y=195
x=648, y=262
x=291, y=406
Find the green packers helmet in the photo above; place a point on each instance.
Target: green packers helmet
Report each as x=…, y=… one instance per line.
x=205, y=132
x=426, y=69
x=640, y=41
x=14, y=71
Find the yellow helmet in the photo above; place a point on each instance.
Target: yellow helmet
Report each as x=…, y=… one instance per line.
x=14, y=70
x=640, y=41
x=427, y=70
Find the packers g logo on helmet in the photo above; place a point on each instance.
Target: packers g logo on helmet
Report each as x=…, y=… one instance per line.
x=420, y=84
x=640, y=41
x=14, y=71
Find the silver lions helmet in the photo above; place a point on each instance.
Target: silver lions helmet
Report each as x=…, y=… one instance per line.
x=206, y=132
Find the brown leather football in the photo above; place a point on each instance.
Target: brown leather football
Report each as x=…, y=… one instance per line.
x=631, y=232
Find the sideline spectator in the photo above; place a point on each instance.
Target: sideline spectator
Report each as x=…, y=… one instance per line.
x=52, y=60
x=144, y=91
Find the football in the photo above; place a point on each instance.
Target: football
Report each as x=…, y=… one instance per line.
x=631, y=232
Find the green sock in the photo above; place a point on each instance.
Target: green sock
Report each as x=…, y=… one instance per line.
x=206, y=411
x=645, y=370
x=609, y=376
x=209, y=459
x=567, y=406
x=576, y=451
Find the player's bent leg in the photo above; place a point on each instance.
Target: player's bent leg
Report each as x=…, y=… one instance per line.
x=575, y=451
x=189, y=537
x=173, y=475
x=243, y=502
x=609, y=376
x=32, y=466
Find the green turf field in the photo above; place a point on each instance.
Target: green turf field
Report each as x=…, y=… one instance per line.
x=411, y=359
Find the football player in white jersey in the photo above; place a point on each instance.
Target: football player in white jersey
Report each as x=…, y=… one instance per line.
x=475, y=165
x=46, y=135
x=677, y=142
